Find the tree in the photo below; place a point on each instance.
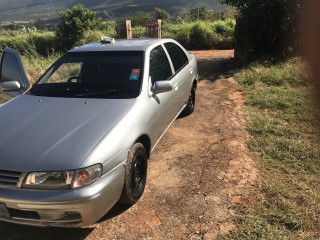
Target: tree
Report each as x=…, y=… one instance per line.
x=266, y=28
x=74, y=23
x=198, y=13
x=160, y=14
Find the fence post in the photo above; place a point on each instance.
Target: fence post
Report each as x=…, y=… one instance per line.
x=154, y=28
x=124, y=29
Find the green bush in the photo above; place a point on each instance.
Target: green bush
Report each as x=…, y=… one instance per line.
x=139, y=32
x=201, y=36
x=44, y=42
x=29, y=41
x=74, y=23
x=224, y=30
x=225, y=27
x=179, y=32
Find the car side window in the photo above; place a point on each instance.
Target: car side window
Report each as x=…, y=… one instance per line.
x=177, y=55
x=160, y=69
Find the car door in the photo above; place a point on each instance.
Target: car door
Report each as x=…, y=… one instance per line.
x=163, y=105
x=13, y=79
x=183, y=76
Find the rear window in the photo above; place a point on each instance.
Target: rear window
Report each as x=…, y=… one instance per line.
x=177, y=55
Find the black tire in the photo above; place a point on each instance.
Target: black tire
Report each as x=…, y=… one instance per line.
x=191, y=103
x=135, y=175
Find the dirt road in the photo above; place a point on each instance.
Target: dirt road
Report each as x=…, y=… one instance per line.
x=197, y=173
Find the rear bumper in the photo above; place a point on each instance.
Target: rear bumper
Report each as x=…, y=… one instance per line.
x=64, y=208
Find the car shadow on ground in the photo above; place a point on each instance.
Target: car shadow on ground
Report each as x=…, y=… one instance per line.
x=215, y=68
x=10, y=231
x=115, y=211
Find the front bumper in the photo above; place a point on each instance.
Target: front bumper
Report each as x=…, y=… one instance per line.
x=63, y=208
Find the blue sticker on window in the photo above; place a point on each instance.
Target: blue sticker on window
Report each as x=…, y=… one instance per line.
x=135, y=73
x=134, y=77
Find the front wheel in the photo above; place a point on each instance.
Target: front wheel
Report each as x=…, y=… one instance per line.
x=135, y=175
x=191, y=102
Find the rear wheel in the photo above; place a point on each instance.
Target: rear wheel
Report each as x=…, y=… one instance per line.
x=191, y=102
x=135, y=174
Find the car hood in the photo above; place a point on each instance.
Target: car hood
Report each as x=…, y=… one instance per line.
x=49, y=133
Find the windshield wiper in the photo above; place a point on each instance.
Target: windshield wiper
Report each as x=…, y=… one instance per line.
x=94, y=93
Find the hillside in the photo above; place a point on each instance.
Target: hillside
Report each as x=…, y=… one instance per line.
x=113, y=8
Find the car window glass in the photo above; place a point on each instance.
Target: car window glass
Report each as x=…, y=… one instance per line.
x=65, y=72
x=106, y=74
x=10, y=68
x=177, y=55
x=160, y=69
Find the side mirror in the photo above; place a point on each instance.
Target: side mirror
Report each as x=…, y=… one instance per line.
x=9, y=86
x=161, y=87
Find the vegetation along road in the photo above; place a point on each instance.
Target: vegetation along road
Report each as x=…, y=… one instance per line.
x=200, y=169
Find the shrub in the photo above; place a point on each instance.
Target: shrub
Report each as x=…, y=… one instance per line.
x=139, y=32
x=74, y=23
x=179, y=32
x=201, y=37
x=225, y=27
x=44, y=42
x=26, y=41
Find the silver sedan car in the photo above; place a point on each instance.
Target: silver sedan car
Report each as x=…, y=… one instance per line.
x=78, y=141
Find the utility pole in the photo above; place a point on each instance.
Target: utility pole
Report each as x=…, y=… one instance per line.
x=198, y=13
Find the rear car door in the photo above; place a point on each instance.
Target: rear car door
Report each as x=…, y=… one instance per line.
x=13, y=79
x=183, y=76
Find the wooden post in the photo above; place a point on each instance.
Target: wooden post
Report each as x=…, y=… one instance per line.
x=124, y=29
x=154, y=28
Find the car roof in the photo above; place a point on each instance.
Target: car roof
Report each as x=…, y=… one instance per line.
x=119, y=45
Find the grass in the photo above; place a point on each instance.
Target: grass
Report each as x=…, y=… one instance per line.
x=202, y=35
x=35, y=65
x=285, y=134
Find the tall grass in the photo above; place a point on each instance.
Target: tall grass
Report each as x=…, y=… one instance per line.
x=29, y=41
x=203, y=35
x=35, y=64
x=285, y=137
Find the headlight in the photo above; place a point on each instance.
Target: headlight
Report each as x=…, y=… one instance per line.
x=49, y=180
x=87, y=176
x=63, y=179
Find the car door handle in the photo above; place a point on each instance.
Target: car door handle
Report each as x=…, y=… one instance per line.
x=191, y=70
x=176, y=87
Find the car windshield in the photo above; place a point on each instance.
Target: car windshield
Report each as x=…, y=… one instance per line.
x=93, y=75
